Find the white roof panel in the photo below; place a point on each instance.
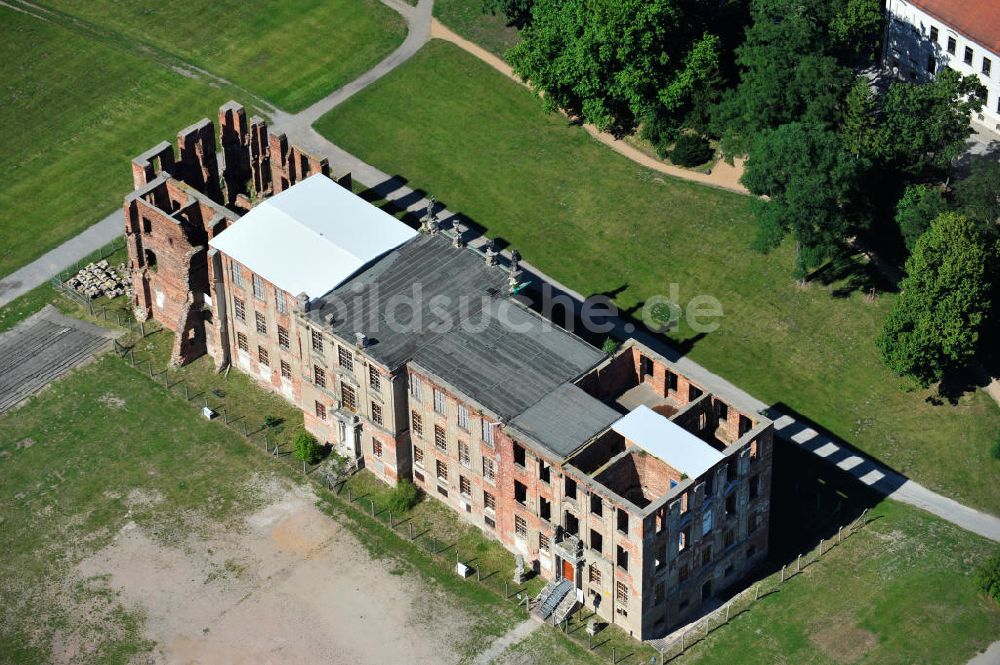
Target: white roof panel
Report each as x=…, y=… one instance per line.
x=668, y=441
x=311, y=237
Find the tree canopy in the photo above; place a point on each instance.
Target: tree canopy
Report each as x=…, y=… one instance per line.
x=926, y=125
x=615, y=62
x=813, y=187
x=978, y=195
x=786, y=73
x=919, y=205
x=935, y=324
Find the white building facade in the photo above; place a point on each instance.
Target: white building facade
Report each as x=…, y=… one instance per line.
x=922, y=36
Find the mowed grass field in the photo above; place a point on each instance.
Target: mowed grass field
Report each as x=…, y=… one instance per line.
x=106, y=446
x=75, y=111
x=78, y=101
x=289, y=53
x=601, y=224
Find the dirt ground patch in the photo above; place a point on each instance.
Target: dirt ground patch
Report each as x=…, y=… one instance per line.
x=287, y=585
x=842, y=640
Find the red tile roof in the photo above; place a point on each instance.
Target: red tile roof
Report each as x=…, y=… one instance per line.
x=979, y=20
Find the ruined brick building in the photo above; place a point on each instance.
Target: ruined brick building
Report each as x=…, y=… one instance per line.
x=636, y=490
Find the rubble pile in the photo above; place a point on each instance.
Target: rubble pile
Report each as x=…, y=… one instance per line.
x=100, y=279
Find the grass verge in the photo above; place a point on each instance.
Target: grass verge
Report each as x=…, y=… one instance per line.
x=466, y=18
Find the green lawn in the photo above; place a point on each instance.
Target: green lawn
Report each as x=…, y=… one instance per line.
x=79, y=100
x=900, y=591
x=466, y=18
x=600, y=223
x=289, y=53
x=75, y=111
x=69, y=459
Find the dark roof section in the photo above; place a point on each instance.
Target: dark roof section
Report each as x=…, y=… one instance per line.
x=494, y=350
x=380, y=300
x=979, y=20
x=565, y=419
x=508, y=358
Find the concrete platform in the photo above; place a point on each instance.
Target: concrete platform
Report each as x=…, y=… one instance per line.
x=41, y=349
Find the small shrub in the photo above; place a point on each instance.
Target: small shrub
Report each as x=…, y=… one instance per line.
x=995, y=450
x=988, y=577
x=307, y=449
x=610, y=345
x=690, y=150
x=272, y=421
x=403, y=497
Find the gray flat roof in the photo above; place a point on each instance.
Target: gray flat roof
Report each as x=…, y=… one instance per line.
x=565, y=419
x=448, y=311
x=510, y=359
x=397, y=300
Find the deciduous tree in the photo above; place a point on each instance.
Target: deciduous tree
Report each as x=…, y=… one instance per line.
x=978, y=195
x=925, y=126
x=916, y=209
x=615, y=62
x=786, y=73
x=935, y=324
x=812, y=185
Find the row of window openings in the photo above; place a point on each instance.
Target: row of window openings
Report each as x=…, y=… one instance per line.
x=489, y=465
x=259, y=288
x=263, y=357
x=416, y=385
x=260, y=321
x=967, y=56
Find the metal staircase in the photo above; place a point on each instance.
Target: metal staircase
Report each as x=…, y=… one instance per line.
x=551, y=596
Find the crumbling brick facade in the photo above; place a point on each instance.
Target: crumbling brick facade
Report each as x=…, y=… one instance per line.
x=646, y=567
x=185, y=197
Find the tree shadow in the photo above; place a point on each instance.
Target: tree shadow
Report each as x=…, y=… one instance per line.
x=850, y=273
x=958, y=383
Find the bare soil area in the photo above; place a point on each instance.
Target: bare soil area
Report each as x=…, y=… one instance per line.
x=286, y=585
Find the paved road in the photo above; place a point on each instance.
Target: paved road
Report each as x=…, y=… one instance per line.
x=51, y=263
x=299, y=131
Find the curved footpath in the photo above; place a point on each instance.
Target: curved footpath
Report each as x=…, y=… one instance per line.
x=723, y=175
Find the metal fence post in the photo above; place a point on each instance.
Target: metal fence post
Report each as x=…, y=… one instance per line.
x=245, y=433
x=756, y=592
x=372, y=501
x=410, y=525
x=131, y=353
x=840, y=535
x=390, y=519
x=798, y=563
x=142, y=329
x=186, y=397
x=782, y=573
